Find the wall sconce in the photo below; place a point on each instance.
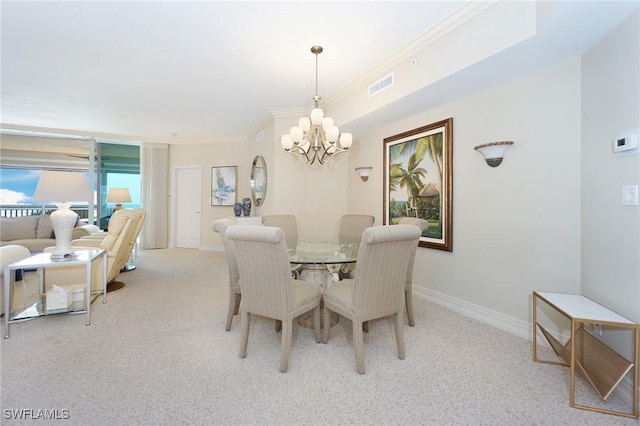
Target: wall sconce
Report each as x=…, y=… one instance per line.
x=493, y=152
x=364, y=172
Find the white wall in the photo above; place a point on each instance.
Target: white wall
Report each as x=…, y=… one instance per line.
x=207, y=156
x=516, y=228
x=610, y=231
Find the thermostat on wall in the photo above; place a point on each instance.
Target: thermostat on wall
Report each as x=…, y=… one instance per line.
x=625, y=143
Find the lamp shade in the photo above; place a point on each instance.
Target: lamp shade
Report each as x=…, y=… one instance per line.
x=59, y=186
x=118, y=195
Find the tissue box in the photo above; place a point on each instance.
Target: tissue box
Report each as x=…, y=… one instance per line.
x=59, y=299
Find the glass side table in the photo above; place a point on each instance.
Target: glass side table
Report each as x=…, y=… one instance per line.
x=40, y=262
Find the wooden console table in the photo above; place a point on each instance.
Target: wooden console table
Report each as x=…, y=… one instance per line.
x=600, y=365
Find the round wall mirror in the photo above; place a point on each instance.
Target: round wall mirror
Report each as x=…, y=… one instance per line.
x=258, y=180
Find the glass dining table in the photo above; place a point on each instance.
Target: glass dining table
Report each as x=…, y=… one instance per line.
x=319, y=264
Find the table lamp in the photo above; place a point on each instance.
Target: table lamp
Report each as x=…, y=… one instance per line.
x=57, y=186
x=118, y=196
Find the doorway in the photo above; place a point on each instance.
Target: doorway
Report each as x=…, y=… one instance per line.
x=187, y=204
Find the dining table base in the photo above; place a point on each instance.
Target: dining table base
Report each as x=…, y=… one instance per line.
x=306, y=320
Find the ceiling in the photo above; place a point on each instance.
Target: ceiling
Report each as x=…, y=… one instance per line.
x=210, y=71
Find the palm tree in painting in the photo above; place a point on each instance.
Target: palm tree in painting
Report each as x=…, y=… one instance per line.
x=409, y=178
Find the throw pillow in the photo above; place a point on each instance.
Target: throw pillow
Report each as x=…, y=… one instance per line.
x=18, y=228
x=45, y=230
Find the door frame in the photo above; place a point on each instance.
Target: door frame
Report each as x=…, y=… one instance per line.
x=174, y=207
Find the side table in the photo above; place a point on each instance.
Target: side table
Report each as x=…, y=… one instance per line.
x=40, y=262
x=600, y=365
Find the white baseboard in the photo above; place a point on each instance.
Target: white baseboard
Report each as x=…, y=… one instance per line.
x=495, y=319
x=211, y=248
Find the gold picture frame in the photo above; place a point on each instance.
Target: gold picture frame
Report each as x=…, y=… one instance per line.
x=418, y=181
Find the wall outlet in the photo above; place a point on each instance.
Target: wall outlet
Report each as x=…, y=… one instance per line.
x=597, y=329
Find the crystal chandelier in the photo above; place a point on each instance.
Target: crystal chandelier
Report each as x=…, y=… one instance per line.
x=316, y=137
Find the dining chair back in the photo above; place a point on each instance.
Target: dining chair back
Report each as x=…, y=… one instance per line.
x=408, y=288
x=378, y=287
x=268, y=288
x=350, y=233
x=220, y=226
x=288, y=224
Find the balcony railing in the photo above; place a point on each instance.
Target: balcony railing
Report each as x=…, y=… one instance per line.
x=17, y=210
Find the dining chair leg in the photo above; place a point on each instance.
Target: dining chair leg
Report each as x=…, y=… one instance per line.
x=234, y=305
x=408, y=298
x=236, y=308
x=316, y=324
x=327, y=324
x=244, y=336
x=399, y=321
x=285, y=349
x=358, y=346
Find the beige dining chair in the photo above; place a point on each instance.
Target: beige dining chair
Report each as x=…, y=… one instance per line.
x=220, y=226
x=288, y=223
x=408, y=287
x=350, y=233
x=378, y=287
x=268, y=289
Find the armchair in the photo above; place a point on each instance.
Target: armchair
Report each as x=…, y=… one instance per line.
x=124, y=227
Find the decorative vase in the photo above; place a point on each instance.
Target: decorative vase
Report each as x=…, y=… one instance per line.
x=246, y=206
x=63, y=221
x=237, y=209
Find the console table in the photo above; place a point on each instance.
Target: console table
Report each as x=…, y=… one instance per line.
x=40, y=262
x=600, y=365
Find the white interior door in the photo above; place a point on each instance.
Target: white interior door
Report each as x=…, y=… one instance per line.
x=187, y=204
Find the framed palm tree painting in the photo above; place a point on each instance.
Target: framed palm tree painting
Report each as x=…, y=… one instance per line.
x=418, y=180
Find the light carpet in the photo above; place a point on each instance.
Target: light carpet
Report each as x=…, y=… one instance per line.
x=157, y=354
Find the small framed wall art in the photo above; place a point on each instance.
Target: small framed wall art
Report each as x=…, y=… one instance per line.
x=223, y=185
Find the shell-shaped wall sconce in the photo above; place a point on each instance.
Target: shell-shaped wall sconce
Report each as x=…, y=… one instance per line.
x=493, y=152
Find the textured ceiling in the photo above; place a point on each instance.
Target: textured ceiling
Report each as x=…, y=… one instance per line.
x=183, y=72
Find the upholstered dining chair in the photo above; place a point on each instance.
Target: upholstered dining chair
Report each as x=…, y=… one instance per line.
x=350, y=232
x=220, y=226
x=378, y=287
x=288, y=224
x=268, y=289
x=408, y=287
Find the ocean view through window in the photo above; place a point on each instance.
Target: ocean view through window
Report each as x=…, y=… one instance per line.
x=18, y=185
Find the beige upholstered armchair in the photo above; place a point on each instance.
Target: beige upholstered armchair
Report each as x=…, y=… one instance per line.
x=288, y=224
x=408, y=288
x=124, y=227
x=378, y=288
x=102, y=235
x=220, y=226
x=268, y=289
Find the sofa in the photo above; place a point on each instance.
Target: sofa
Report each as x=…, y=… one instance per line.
x=35, y=232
